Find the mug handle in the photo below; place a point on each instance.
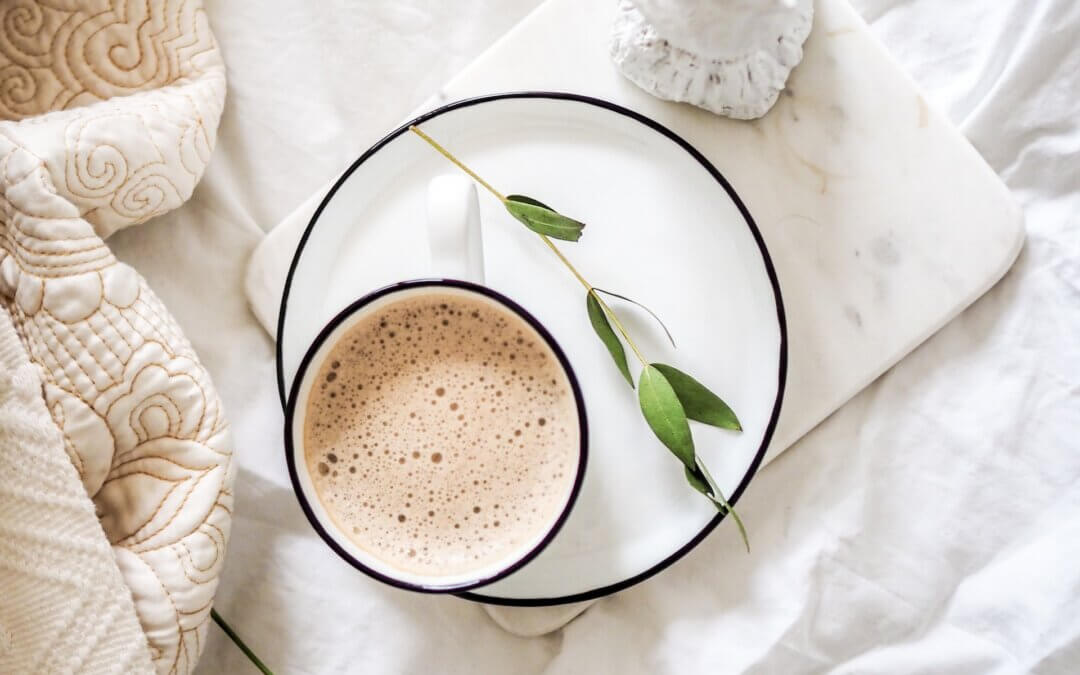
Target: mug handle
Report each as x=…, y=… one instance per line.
x=453, y=226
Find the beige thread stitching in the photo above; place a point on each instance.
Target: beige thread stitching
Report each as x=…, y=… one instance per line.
x=168, y=43
x=194, y=482
x=90, y=353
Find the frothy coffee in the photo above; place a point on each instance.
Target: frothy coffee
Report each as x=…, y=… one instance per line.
x=441, y=433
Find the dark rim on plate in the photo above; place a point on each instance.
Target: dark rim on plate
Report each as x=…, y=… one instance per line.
x=502, y=300
x=765, y=259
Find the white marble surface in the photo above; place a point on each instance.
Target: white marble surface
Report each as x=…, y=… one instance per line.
x=882, y=221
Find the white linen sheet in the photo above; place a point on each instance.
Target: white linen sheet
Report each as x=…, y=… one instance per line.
x=931, y=525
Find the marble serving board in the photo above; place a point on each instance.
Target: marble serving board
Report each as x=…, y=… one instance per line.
x=882, y=221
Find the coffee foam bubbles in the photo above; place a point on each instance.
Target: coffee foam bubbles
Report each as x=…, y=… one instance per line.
x=441, y=434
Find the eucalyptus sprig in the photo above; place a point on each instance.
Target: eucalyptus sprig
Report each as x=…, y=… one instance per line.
x=668, y=397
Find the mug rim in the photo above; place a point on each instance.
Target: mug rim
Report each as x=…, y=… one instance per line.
x=291, y=412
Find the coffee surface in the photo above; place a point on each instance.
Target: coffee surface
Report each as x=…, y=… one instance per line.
x=441, y=433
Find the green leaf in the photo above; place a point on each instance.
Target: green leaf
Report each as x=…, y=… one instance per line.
x=665, y=415
x=542, y=219
x=723, y=507
x=529, y=200
x=697, y=481
x=600, y=324
x=651, y=313
x=697, y=401
x=700, y=483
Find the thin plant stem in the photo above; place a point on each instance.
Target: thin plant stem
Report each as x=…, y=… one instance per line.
x=651, y=313
x=718, y=497
x=589, y=287
x=446, y=153
x=240, y=643
x=565, y=261
x=618, y=324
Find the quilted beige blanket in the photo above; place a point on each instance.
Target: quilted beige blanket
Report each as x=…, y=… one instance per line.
x=109, y=111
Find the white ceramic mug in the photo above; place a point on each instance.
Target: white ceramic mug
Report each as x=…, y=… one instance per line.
x=454, y=238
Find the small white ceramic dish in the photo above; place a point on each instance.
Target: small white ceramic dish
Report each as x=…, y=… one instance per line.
x=663, y=227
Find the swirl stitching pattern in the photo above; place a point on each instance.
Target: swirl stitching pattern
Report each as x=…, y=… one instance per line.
x=108, y=116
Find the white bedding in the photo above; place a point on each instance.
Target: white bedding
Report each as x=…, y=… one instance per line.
x=931, y=525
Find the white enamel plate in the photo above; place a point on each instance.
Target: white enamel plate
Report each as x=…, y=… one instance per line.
x=663, y=227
